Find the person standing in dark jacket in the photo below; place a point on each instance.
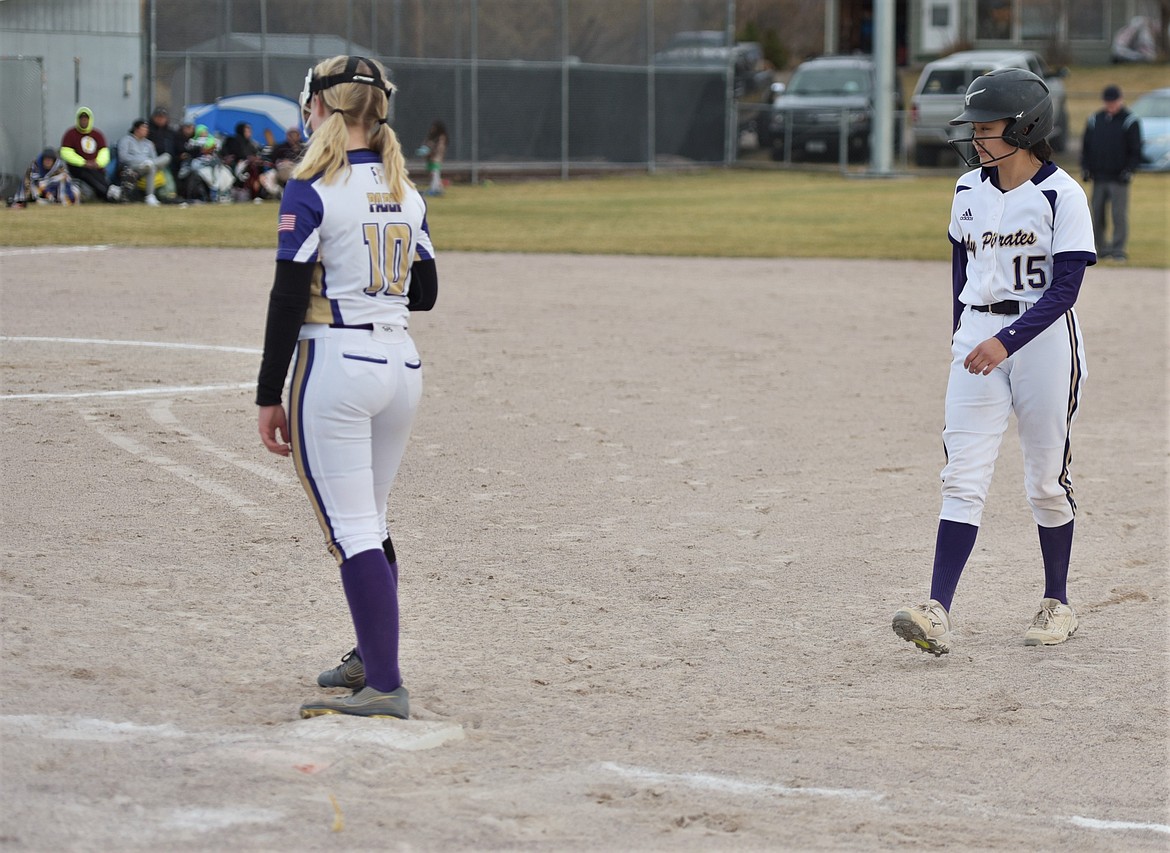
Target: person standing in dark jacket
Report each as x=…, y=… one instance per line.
x=1110, y=153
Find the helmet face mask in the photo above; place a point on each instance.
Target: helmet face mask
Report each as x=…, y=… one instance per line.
x=973, y=144
x=306, y=97
x=1013, y=94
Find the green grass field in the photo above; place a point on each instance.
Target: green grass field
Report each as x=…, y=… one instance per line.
x=716, y=213
x=737, y=212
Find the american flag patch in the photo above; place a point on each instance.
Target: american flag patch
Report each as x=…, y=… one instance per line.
x=288, y=222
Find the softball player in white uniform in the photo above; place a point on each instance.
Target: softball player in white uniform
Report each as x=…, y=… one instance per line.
x=354, y=258
x=1022, y=237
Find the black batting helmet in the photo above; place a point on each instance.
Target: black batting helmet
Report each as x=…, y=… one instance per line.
x=1013, y=94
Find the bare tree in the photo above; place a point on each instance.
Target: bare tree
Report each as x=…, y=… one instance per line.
x=799, y=24
x=1164, y=29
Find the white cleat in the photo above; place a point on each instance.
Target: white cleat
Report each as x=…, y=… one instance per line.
x=927, y=626
x=1054, y=624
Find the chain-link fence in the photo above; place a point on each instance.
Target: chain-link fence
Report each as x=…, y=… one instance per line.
x=520, y=84
x=22, y=97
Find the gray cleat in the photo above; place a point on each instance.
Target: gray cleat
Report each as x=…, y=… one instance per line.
x=366, y=702
x=350, y=673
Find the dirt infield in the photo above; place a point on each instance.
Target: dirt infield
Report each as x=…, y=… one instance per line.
x=653, y=522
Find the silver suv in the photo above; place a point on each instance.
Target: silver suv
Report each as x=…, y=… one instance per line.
x=938, y=97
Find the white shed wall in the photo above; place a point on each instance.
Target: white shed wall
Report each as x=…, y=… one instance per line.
x=80, y=16
x=106, y=40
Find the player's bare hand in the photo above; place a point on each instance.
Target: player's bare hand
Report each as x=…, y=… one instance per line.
x=985, y=357
x=273, y=425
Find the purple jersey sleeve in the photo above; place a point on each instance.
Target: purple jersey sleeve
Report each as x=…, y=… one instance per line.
x=297, y=234
x=1070, y=258
x=425, y=250
x=958, y=279
x=1061, y=295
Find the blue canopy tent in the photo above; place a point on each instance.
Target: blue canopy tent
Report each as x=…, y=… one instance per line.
x=264, y=112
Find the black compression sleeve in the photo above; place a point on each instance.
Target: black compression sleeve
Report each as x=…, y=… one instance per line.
x=424, y=285
x=286, y=312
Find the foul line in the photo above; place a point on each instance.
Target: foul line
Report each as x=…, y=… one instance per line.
x=241, y=504
x=421, y=735
x=729, y=785
x=735, y=786
x=130, y=392
x=157, y=344
x=161, y=414
x=52, y=250
x=1093, y=823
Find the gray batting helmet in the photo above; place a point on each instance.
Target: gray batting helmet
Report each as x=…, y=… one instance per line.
x=1016, y=95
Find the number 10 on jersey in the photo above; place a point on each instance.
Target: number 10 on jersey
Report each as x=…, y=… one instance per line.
x=387, y=245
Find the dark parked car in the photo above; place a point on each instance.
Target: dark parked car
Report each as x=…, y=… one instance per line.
x=824, y=96
x=707, y=49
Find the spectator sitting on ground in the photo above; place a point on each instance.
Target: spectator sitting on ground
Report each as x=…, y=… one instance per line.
x=286, y=154
x=164, y=137
x=241, y=154
x=203, y=143
x=137, y=158
x=206, y=178
x=239, y=147
x=181, y=165
x=84, y=150
x=47, y=181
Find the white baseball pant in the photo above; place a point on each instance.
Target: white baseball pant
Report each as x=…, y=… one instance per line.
x=1042, y=384
x=353, y=399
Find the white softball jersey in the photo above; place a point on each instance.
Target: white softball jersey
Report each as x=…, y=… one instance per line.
x=1013, y=239
x=363, y=243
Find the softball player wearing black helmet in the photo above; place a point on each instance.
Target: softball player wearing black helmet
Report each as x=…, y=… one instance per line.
x=354, y=258
x=1021, y=238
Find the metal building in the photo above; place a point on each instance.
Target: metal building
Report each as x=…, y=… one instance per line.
x=58, y=55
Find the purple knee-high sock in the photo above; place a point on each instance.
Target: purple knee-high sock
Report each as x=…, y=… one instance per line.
x=951, y=550
x=388, y=550
x=1056, y=548
x=372, y=593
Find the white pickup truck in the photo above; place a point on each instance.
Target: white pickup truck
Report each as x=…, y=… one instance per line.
x=938, y=98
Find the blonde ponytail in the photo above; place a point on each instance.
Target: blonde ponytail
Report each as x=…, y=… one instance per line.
x=384, y=140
